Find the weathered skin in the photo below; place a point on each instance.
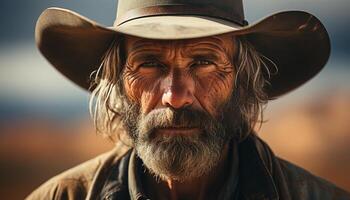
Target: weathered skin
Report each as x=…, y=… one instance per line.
x=197, y=72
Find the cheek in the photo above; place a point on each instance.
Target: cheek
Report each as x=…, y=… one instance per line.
x=142, y=89
x=214, y=90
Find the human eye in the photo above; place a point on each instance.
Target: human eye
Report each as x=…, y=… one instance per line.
x=151, y=64
x=202, y=63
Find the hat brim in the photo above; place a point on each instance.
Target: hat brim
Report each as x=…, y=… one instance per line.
x=296, y=42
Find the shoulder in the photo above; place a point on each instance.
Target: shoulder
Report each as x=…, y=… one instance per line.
x=302, y=183
x=76, y=182
x=294, y=182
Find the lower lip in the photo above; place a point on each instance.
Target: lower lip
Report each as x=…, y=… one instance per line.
x=178, y=131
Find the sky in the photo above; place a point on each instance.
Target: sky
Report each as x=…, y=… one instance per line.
x=28, y=84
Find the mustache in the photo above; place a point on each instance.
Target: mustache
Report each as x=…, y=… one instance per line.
x=175, y=118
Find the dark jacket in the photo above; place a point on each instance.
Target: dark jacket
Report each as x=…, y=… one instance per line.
x=262, y=176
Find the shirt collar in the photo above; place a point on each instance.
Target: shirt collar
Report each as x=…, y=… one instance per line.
x=256, y=181
x=134, y=180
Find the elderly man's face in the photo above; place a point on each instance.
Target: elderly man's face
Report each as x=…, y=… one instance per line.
x=181, y=88
x=195, y=73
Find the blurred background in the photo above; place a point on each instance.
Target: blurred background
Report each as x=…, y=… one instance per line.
x=45, y=126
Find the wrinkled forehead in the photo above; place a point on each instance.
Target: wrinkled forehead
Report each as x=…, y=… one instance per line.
x=224, y=43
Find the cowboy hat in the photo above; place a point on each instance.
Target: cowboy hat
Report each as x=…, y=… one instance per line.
x=295, y=41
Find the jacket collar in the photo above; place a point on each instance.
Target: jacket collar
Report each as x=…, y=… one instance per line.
x=256, y=181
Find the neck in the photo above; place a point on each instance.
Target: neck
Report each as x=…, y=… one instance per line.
x=204, y=187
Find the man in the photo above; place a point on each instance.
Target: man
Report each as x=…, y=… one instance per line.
x=180, y=87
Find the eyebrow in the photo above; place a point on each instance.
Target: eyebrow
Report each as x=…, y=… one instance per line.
x=147, y=56
x=203, y=56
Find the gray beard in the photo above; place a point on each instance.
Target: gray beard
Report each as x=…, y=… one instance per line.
x=177, y=157
x=180, y=158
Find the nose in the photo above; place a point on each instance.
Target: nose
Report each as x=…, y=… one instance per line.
x=178, y=91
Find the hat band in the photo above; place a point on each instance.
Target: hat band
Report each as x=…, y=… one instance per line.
x=207, y=11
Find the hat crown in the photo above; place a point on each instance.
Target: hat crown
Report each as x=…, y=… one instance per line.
x=230, y=10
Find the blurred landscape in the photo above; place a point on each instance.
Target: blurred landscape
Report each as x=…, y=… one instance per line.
x=314, y=135
x=45, y=126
